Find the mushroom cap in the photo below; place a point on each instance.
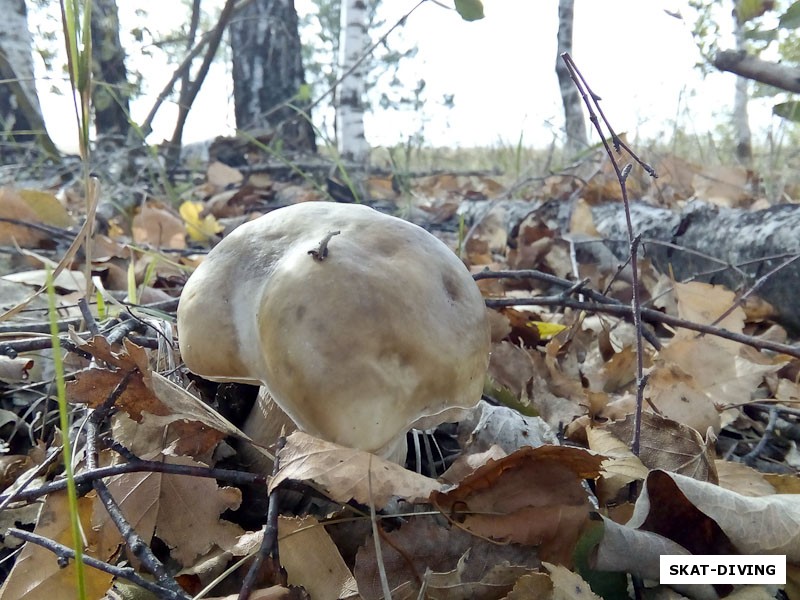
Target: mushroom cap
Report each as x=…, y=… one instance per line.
x=387, y=331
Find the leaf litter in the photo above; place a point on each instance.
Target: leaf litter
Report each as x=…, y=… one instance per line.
x=546, y=466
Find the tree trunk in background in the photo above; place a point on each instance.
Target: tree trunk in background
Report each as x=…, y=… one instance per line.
x=741, y=123
x=350, y=108
x=20, y=113
x=110, y=93
x=268, y=73
x=574, y=124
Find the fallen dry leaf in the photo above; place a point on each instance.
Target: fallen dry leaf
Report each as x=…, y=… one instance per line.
x=13, y=206
x=66, y=280
x=200, y=227
x=47, y=207
x=628, y=550
x=158, y=227
x=422, y=545
x=704, y=303
x=487, y=425
x=14, y=370
x=312, y=560
x=708, y=519
x=722, y=185
x=169, y=507
x=37, y=574
x=742, y=479
x=346, y=474
x=568, y=585
x=533, y=497
x=619, y=469
x=533, y=585
x=666, y=444
x=221, y=175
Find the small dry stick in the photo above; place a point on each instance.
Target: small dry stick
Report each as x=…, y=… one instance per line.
x=269, y=543
x=320, y=253
x=136, y=466
x=137, y=545
x=63, y=553
x=634, y=240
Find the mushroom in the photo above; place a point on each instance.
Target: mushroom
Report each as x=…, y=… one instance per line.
x=360, y=325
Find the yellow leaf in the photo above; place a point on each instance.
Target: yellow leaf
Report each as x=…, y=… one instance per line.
x=199, y=229
x=547, y=330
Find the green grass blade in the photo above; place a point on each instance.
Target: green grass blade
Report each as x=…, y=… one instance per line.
x=61, y=390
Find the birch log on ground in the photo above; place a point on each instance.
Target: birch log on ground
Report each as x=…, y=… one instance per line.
x=733, y=247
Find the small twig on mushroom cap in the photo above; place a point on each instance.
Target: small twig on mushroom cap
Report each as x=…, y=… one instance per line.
x=320, y=253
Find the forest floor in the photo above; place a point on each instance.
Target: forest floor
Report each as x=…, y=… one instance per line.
x=536, y=494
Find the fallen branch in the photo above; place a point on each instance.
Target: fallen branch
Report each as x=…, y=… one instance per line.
x=649, y=315
x=747, y=66
x=63, y=553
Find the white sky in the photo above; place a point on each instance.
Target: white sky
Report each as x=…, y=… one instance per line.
x=501, y=70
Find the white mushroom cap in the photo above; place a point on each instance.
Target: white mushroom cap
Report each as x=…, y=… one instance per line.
x=387, y=331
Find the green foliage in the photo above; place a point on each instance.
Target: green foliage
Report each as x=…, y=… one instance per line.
x=788, y=110
x=791, y=18
x=470, y=10
x=766, y=26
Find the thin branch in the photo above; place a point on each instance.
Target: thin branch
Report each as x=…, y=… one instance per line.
x=137, y=545
x=649, y=315
x=128, y=573
x=634, y=240
x=189, y=92
x=147, y=125
x=269, y=541
x=570, y=287
x=140, y=466
x=751, y=456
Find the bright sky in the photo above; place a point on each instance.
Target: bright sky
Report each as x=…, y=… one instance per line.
x=638, y=58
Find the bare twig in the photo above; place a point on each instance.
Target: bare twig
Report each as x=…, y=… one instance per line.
x=218, y=30
x=622, y=175
x=650, y=315
x=751, y=456
x=127, y=573
x=320, y=253
x=189, y=90
x=269, y=542
x=134, y=541
x=88, y=317
x=570, y=287
x=139, y=466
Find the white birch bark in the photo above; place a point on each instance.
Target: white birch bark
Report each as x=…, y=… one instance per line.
x=741, y=122
x=354, y=40
x=17, y=44
x=19, y=106
x=574, y=125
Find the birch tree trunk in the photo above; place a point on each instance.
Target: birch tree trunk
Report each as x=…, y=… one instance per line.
x=20, y=113
x=574, y=124
x=741, y=122
x=268, y=74
x=110, y=94
x=350, y=108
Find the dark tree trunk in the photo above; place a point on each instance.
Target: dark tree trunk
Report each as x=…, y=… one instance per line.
x=268, y=73
x=110, y=93
x=574, y=126
x=20, y=113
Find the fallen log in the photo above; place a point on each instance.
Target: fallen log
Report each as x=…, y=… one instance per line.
x=736, y=248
